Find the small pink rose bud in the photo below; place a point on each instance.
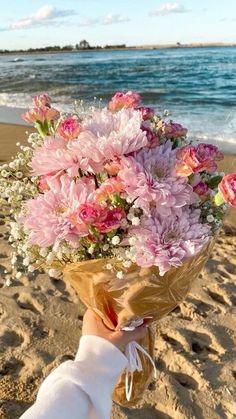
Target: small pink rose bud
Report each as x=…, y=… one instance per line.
x=153, y=139
x=111, y=220
x=172, y=130
x=124, y=100
x=202, y=189
x=69, y=129
x=147, y=113
x=42, y=100
x=227, y=189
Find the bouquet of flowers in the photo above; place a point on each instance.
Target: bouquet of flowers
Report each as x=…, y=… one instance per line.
x=120, y=202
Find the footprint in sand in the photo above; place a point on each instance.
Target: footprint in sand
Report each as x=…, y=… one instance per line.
x=204, y=343
x=35, y=363
x=3, y=313
x=172, y=341
x=29, y=301
x=11, y=367
x=219, y=295
x=11, y=338
x=185, y=380
x=64, y=290
x=149, y=412
x=230, y=267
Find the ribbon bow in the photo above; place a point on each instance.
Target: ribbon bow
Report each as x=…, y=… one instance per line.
x=135, y=364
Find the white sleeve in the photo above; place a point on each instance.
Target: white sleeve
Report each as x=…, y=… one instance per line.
x=81, y=389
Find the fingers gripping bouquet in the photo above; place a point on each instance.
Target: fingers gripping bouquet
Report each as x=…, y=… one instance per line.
x=121, y=203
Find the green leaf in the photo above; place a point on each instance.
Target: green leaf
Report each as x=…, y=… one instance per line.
x=93, y=231
x=41, y=129
x=219, y=200
x=214, y=181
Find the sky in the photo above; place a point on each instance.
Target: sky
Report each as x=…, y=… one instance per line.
x=38, y=23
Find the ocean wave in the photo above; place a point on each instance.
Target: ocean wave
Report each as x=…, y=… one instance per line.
x=17, y=60
x=225, y=142
x=15, y=100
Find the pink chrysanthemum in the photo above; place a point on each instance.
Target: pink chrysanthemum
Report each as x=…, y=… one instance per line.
x=151, y=180
x=49, y=217
x=108, y=136
x=167, y=241
x=58, y=154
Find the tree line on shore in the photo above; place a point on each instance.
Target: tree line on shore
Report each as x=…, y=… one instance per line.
x=83, y=45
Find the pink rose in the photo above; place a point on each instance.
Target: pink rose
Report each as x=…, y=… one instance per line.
x=108, y=188
x=112, y=220
x=195, y=159
x=69, y=129
x=227, y=188
x=42, y=100
x=153, y=139
x=124, y=100
x=89, y=213
x=41, y=114
x=173, y=130
x=147, y=113
x=202, y=189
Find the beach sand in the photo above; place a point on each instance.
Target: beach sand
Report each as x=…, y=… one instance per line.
x=195, y=346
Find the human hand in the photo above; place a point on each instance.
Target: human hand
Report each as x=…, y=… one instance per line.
x=93, y=325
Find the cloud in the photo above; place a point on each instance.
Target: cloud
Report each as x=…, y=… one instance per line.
x=109, y=19
x=169, y=9
x=46, y=14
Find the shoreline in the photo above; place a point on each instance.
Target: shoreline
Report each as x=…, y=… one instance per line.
x=128, y=48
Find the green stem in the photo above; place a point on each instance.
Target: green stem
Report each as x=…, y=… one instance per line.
x=96, y=181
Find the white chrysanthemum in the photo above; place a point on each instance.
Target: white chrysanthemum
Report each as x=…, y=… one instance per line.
x=111, y=135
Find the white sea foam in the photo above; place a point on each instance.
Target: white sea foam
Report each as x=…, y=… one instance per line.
x=225, y=142
x=15, y=100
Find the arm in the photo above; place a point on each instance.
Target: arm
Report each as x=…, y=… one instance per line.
x=83, y=388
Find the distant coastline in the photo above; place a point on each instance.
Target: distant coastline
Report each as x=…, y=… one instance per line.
x=77, y=49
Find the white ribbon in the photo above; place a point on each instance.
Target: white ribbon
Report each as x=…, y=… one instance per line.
x=135, y=364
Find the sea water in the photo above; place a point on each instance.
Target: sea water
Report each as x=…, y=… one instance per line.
x=196, y=85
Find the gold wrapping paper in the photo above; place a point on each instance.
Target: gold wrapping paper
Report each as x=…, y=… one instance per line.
x=141, y=293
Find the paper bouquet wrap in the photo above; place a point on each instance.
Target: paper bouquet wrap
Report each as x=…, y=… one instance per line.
x=103, y=192
x=140, y=294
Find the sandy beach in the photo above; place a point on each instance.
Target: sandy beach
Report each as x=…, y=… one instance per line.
x=195, y=346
